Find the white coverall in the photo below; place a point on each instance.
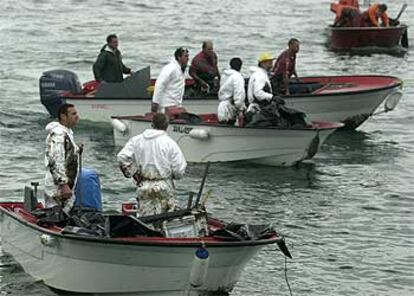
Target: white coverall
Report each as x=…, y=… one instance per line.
x=169, y=86
x=157, y=159
x=255, y=91
x=231, y=95
x=61, y=164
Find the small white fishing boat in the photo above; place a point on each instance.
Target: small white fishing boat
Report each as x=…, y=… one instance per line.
x=132, y=261
x=347, y=99
x=210, y=141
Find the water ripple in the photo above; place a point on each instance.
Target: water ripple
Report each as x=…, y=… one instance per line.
x=347, y=215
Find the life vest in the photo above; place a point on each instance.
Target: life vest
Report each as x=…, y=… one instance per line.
x=353, y=3
x=338, y=7
x=370, y=17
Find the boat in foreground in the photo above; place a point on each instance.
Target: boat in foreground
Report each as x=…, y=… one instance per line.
x=132, y=264
x=347, y=99
x=210, y=141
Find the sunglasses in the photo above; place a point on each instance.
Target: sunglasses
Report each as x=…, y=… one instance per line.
x=182, y=50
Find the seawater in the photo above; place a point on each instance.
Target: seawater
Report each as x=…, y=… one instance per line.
x=347, y=216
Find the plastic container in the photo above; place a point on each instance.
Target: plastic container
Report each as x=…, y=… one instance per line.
x=199, y=267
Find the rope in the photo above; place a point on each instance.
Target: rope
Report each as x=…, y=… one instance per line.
x=286, y=277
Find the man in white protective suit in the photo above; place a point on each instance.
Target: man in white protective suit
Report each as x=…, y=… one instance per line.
x=170, y=84
x=61, y=159
x=153, y=160
x=232, y=93
x=259, y=91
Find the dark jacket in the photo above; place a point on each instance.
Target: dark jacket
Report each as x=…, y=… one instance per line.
x=109, y=67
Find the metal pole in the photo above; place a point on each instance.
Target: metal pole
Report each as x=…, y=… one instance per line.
x=202, y=184
x=79, y=179
x=403, y=8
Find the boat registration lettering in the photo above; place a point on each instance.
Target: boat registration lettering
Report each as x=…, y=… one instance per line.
x=100, y=106
x=182, y=129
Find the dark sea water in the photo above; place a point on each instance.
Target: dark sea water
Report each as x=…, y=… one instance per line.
x=348, y=216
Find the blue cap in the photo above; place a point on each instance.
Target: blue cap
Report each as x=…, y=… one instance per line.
x=202, y=253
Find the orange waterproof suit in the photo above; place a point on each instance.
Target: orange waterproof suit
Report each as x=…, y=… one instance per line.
x=353, y=3
x=371, y=19
x=338, y=8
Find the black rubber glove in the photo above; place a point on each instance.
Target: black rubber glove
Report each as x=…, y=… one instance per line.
x=278, y=100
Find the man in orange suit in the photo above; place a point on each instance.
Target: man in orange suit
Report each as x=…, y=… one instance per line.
x=374, y=13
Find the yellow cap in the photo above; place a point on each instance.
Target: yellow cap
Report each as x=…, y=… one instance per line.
x=265, y=56
x=150, y=90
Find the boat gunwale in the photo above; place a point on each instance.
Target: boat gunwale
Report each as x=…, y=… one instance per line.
x=330, y=125
x=402, y=27
x=169, y=242
x=397, y=83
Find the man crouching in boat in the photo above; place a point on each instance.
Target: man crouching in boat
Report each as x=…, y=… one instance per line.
x=375, y=12
x=153, y=160
x=259, y=90
x=232, y=93
x=61, y=159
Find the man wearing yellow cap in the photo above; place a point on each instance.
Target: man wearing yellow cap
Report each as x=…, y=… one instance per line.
x=259, y=91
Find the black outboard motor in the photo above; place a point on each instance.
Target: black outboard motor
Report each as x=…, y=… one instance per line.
x=404, y=39
x=52, y=83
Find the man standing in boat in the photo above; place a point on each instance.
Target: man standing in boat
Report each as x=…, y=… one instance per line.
x=204, y=69
x=153, y=160
x=285, y=68
x=61, y=159
x=170, y=84
x=232, y=93
x=109, y=66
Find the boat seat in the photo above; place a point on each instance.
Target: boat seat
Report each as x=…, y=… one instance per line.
x=179, y=121
x=333, y=86
x=304, y=88
x=90, y=87
x=26, y=216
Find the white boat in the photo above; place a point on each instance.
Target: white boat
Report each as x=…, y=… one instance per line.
x=347, y=99
x=135, y=265
x=212, y=142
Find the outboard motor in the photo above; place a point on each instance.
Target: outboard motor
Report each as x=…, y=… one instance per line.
x=52, y=84
x=404, y=39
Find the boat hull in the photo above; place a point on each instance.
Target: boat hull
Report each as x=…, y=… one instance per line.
x=270, y=146
x=82, y=266
x=352, y=106
x=348, y=38
x=350, y=109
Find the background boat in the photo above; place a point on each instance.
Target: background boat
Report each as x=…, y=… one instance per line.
x=346, y=214
x=368, y=39
x=365, y=39
x=347, y=99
